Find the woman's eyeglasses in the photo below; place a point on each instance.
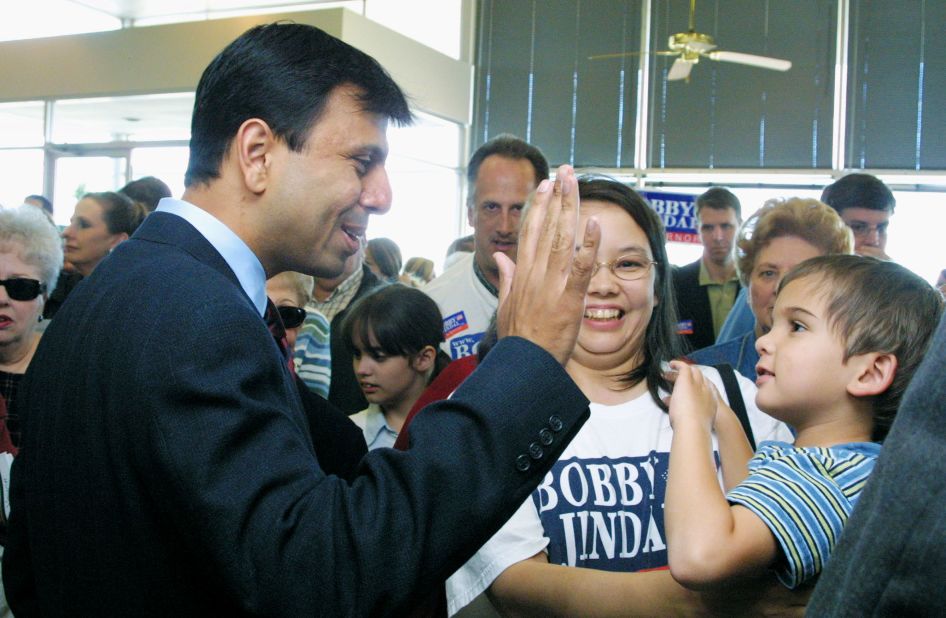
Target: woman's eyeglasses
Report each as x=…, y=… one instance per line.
x=626, y=267
x=292, y=317
x=23, y=289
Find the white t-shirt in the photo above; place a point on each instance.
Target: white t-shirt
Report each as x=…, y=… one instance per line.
x=601, y=505
x=466, y=306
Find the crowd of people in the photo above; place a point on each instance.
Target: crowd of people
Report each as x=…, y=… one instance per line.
x=233, y=402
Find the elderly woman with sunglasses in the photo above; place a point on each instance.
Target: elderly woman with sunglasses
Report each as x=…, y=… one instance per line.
x=30, y=259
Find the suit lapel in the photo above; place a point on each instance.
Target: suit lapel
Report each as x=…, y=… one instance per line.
x=168, y=229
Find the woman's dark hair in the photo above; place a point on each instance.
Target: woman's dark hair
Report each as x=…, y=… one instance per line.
x=402, y=319
x=386, y=256
x=661, y=342
x=121, y=213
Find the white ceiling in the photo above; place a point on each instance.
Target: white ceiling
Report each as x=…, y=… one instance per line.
x=147, y=9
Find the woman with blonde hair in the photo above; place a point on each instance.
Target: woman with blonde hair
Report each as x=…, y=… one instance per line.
x=778, y=237
x=418, y=272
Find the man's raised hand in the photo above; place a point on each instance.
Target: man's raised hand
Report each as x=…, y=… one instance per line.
x=542, y=295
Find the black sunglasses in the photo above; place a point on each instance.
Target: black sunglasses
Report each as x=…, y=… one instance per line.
x=23, y=289
x=292, y=317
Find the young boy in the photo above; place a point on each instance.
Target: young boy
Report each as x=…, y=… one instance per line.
x=848, y=332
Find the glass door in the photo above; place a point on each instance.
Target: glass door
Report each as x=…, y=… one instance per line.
x=77, y=175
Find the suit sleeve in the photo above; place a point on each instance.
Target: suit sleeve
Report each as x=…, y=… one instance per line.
x=234, y=470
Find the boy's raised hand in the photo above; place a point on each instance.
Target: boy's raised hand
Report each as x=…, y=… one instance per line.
x=694, y=398
x=542, y=296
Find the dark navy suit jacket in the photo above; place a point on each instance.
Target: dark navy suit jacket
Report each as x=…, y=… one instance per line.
x=693, y=305
x=167, y=470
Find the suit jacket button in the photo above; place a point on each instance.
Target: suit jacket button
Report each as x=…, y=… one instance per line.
x=545, y=437
x=522, y=463
x=535, y=451
x=555, y=424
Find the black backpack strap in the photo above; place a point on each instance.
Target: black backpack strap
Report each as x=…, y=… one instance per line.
x=734, y=395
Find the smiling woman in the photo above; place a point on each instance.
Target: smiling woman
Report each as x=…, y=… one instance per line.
x=601, y=507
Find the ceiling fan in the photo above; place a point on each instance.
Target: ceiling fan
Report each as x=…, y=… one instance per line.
x=691, y=45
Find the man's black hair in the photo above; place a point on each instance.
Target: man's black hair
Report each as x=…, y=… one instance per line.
x=148, y=191
x=283, y=74
x=859, y=191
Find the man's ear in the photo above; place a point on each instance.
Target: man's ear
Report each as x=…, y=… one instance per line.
x=424, y=360
x=253, y=147
x=874, y=373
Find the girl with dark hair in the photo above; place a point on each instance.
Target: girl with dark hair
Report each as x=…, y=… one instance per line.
x=100, y=222
x=394, y=335
x=601, y=506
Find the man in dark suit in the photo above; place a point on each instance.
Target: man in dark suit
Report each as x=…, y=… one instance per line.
x=891, y=559
x=706, y=289
x=166, y=467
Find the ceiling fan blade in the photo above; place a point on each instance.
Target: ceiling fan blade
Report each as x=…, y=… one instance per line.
x=630, y=53
x=762, y=62
x=680, y=70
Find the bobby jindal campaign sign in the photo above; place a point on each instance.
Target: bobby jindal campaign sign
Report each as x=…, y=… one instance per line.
x=678, y=212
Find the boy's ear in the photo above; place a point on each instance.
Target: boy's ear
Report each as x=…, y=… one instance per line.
x=874, y=374
x=424, y=360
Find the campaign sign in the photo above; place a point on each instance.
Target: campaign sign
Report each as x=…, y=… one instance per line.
x=465, y=345
x=678, y=212
x=453, y=324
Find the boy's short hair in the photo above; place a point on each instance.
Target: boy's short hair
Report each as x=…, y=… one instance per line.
x=877, y=306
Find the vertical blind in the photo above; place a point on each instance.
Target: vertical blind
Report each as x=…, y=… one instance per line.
x=897, y=85
x=732, y=115
x=534, y=79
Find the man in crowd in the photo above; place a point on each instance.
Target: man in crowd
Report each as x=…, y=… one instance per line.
x=166, y=467
x=500, y=175
x=865, y=204
x=331, y=297
x=706, y=289
x=148, y=191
